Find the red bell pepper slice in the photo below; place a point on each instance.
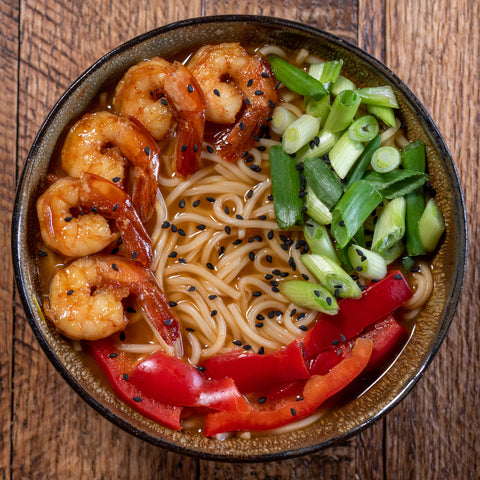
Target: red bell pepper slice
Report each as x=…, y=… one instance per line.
x=170, y=380
x=377, y=301
x=117, y=367
x=387, y=336
x=317, y=389
x=253, y=372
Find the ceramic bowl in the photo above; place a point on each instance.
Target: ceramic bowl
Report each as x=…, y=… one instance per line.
x=448, y=263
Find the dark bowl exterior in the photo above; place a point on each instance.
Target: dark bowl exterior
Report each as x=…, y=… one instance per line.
x=448, y=263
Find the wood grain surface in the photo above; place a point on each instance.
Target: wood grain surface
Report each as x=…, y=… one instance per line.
x=47, y=431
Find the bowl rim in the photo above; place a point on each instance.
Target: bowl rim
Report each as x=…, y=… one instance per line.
x=300, y=28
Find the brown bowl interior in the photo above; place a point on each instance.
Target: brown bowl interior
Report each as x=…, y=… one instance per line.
x=448, y=263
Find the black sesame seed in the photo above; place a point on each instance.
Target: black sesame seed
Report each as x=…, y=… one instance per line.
x=190, y=88
x=122, y=336
x=238, y=241
x=68, y=219
x=274, y=283
x=163, y=101
x=173, y=254
x=115, y=207
x=339, y=352
x=293, y=312
x=212, y=297
x=172, y=303
x=200, y=368
x=114, y=251
x=328, y=300
x=188, y=329
x=147, y=150
x=210, y=266
x=265, y=75
x=302, y=315
x=251, y=255
x=251, y=239
x=125, y=377
x=174, y=228
x=184, y=148
x=137, y=399
x=259, y=92
x=270, y=234
x=168, y=321
x=114, y=266
x=304, y=328
x=241, y=125
x=342, y=338
x=94, y=209
x=237, y=342
x=259, y=325
x=116, y=179
x=250, y=82
x=359, y=268
x=216, y=92
x=181, y=203
x=256, y=294
x=181, y=232
x=335, y=342
x=165, y=224
x=293, y=412
x=275, y=289
x=134, y=255
x=277, y=86
x=221, y=251
x=299, y=398
x=131, y=310
x=247, y=101
x=41, y=253
x=271, y=314
x=113, y=355
x=201, y=227
x=196, y=203
x=397, y=276
x=262, y=217
x=341, y=223
x=268, y=276
x=247, y=347
x=255, y=168
x=211, y=199
x=226, y=210
x=213, y=313
x=305, y=277
x=271, y=103
x=210, y=149
x=70, y=292
x=262, y=399
x=284, y=274
x=249, y=194
x=192, y=288
x=228, y=229
x=261, y=351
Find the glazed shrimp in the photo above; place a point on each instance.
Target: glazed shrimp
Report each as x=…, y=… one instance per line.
x=103, y=143
x=73, y=215
x=240, y=91
x=157, y=92
x=85, y=299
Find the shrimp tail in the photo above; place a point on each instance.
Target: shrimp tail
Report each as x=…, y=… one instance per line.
x=190, y=106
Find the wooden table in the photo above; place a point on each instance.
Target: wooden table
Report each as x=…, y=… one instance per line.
x=47, y=431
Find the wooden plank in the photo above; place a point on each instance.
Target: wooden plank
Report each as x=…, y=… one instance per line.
x=434, y=432
x=8, y=67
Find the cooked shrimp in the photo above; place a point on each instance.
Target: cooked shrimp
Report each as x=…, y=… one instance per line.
x=102, y=143
x=85, y=300
x=73, y=215
x=157, y=92
x=240, y=91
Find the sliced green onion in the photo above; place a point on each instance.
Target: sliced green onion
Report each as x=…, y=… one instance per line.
x=407, y=263
x=286, y=185
x=322, y=181
x=344, y=260
x=359, y=237
x=330, y=72
x=386, y=159
x=431, y=226
x=381, y=96
x=309, y=295
x=344, y=154
x=326, y=141
x=319, y=240
x=385, y=114
x=343, y=111
x=390, y=228
x=414, y=158
x=300, y=132
x=318, y=108
x=356, y=204
x=363, y=129
x=360, y=166
x=342, y=84
x=281, y=119
x=316, y=208
x=315, y=70
x=366, y=263
x=396, y=183
x=296, y=79
x=332, y=276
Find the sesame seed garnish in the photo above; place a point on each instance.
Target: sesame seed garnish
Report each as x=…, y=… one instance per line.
x=131, y=310
x=259, y=324
x=262, y=217
x=226, y=210
x=188, y=329
x=200, y=368
x=113, y=355
x=173, y=254
x=134, y=255
x=164, y=101
x=116, y=179
x=265, y=75
x=216, y=92
x=247, y=101
x=181, y=203
x=275, y=289
x=304, y=328
x=341, y=223
x=210, y=266
x=299, y=398
x=172, y=303
x=259, y=92
x=70, y=292
x=192, y=288
x=94, y=209
x=271, y=314
x=190, y=88
x=271, y=103
x=237, y=342
x=241, y=125
x=238, y=241
x=68, y=219
x=228, y=229
x=261, y=351
x=255, y=168
x=195, y=148
x=125, y=377
x=114, y=251
x=213, y=313
x=302, y=315
x=115, y=207
x=122, y=336
x=262, y=399
x=210, y=199
x=268, y=276
x=251, y=255
x=397, y=276
x=147, y=150
x=293, y=412
x=284, y=274
x=328, y=300
x=174, y=228
x=168, y=321
x=196, y=203
x=210, y=149
x=181, y=232
x=201, y=227
x=277, y=86
x=250, y=82
x=342, y=337
x=165, y=224
x=137, y=399
x=114, y=266
x=249, y=194
x=41, y=253
x=247, y=347
x=256, y=294
x=183, y=148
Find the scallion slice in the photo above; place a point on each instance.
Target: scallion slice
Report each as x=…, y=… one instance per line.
x=316, y=208
x=318, y=108
x=381, y=96
x=296, y=79
x=317, y=149
x=286, y=186
x=300, y=132
x=309, y=295
x=385, y=114
x=390, y=229
x=330, y=72
x=366, y=263
x=431, y=226
x=343, y=111
x=363, y=129
x=386, y=159
x=356, y=204
x=332, y=276
x=281, y=119
x=319, y=240
x=396, y=183
x=344, y=154
x=342, y=84
x=322, y=181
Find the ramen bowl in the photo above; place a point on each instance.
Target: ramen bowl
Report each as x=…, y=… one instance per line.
x=448, y=262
